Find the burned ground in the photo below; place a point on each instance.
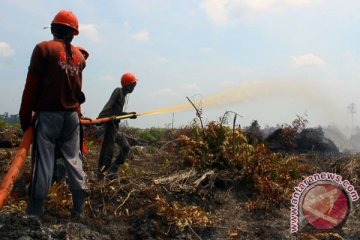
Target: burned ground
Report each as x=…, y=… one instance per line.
x=177, y=186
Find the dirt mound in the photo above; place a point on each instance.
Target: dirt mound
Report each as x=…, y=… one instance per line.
x=9, y=137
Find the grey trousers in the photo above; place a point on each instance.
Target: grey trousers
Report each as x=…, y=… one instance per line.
x=61, y=128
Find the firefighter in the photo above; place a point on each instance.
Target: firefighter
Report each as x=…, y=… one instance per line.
x=53, y=91
x=112, y=135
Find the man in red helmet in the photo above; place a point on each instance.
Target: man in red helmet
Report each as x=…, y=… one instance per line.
x=53, y=93
x=114, y=107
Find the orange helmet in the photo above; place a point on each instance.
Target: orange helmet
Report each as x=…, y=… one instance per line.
x=67, y=18
x=127, y=79
x=84, y=52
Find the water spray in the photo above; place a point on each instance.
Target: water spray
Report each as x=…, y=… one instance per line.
x=304, y=91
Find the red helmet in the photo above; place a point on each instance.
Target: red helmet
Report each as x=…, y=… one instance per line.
x=127, y=79
x=84, y=52
x=67, y=18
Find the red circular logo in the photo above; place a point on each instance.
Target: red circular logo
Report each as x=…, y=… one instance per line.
x=325, y=206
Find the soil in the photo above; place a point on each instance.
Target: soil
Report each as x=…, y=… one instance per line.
x=155, y=196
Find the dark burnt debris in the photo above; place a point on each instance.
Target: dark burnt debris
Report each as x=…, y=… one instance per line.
x=308, y=140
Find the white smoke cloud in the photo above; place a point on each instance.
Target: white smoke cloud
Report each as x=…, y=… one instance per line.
x=141, y=36
x=90, y=32
x=274, y=5
x=6, y=50
x=308, y=60
x=222, y=11
x=217, y=10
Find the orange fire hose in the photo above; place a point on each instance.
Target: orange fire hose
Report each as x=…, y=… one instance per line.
x=105, y=120
x=16, y=166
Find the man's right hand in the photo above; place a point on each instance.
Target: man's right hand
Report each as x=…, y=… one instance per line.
x=24, y=125
x=27, y=121
x=134, y=116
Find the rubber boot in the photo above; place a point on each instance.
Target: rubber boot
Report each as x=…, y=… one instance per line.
x=122, y=156
x=100, y=174
x=113, y=168
x=35, y=208
x=78, y=197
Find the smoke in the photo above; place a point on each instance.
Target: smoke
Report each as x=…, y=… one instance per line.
x=347, y=140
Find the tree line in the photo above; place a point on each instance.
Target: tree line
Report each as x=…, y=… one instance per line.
x=10, y=118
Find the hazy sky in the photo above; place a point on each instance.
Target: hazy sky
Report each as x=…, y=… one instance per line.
x=267, y=60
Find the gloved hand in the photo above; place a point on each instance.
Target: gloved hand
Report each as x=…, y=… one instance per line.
x=133, y=116
x=98, y=124
x=27, y=121
x=82, y=98
x=24, y=124
x=85, y=118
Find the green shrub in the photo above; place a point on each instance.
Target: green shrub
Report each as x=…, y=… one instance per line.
x=153, y=135
x=3, y=124
x=270, y=176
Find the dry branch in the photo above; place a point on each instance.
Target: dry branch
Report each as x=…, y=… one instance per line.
x=203, y=177
x=198, y=114
x=175, y=177
x=122, y=204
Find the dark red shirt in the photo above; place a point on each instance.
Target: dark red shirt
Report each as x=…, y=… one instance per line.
x=53, y=82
